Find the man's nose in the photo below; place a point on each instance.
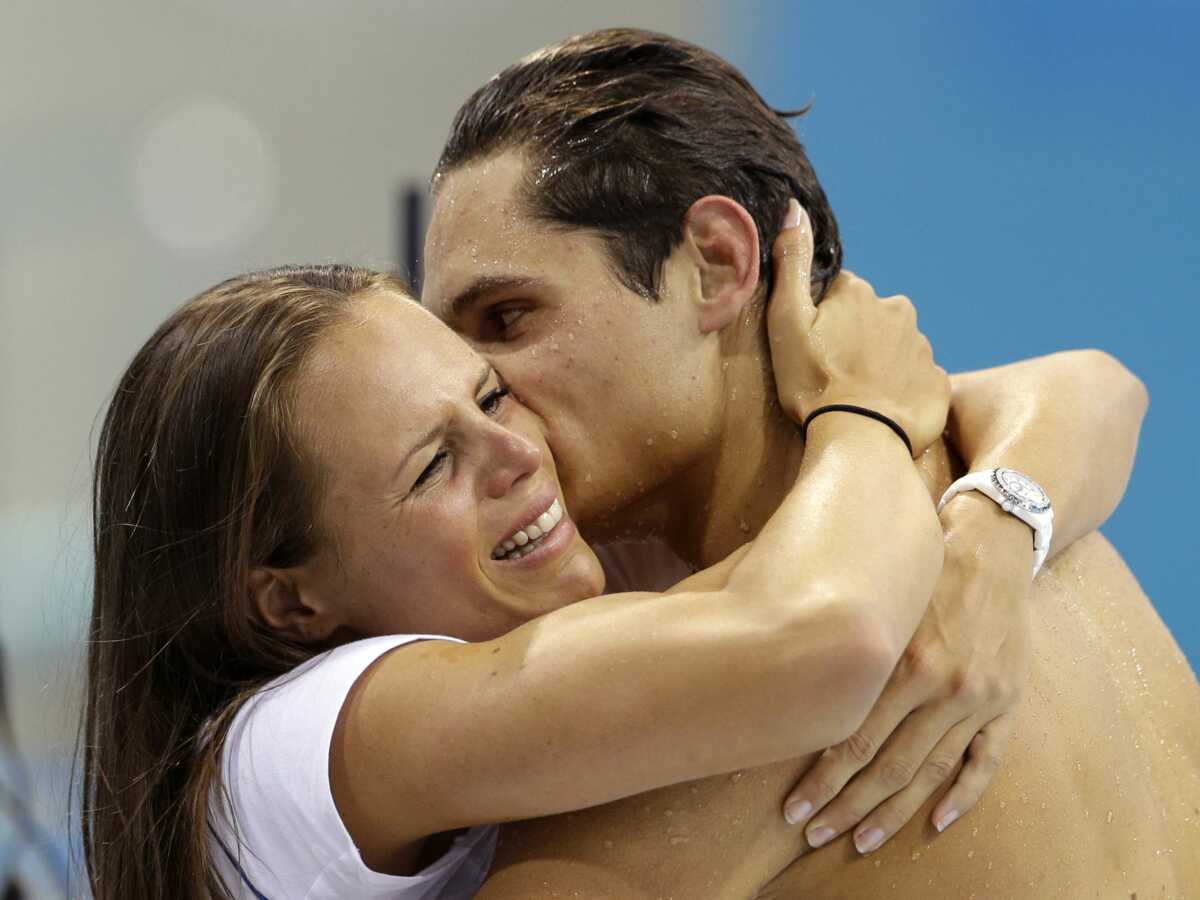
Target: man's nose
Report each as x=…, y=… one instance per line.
x=512, y=457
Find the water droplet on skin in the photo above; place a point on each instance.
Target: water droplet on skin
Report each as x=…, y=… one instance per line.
x=677, y=840
x=744, y=525
x=674, y=435
x=735, y=777
x=608, y=845
x=916, y=855
x=649, y=442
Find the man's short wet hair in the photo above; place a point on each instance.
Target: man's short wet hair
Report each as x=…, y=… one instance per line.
x=624, y=129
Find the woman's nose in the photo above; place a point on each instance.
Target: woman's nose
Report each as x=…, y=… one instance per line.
x=513, y=457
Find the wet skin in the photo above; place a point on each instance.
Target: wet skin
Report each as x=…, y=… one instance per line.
x=1098, y=796
x=634, y=399
x=595, y=362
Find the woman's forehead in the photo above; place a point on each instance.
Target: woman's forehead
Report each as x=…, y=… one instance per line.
x=389, y=370
x=390, y=352
x=391, y=327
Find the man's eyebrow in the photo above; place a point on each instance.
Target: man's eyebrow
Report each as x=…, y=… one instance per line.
x=484, y=285
x=437, y=429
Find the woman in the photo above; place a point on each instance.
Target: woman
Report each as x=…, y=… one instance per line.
x=221, y=468
x=245, y=715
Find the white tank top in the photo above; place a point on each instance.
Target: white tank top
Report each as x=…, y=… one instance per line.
x=275, y=771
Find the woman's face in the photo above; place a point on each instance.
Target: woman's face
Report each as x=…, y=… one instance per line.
x=432, y=475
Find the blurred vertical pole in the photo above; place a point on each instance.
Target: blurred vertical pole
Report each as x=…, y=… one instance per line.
x=410, y=214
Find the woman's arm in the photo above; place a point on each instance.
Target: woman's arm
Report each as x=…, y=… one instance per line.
x=781, y=650
x=1071, y=421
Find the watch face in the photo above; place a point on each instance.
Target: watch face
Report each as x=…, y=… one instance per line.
x=1021, y=489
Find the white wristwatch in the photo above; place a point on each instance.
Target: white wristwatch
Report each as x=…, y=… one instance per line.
x=1017, y=494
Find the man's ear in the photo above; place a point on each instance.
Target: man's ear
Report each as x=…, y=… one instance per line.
x=722, y=240
x=287, y=608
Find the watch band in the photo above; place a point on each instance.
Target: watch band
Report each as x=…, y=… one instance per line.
x=1017, y=494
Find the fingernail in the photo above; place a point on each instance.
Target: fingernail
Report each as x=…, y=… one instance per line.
x=797, y=811
x=868, y=840
x=792, y=219
x=819, y=837
x=946, y=820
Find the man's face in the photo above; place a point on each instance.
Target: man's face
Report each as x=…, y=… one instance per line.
x=628, y=388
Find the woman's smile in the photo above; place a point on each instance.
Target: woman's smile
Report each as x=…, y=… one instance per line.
x=539, y=540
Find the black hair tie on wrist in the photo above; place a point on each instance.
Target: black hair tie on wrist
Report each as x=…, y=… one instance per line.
x=862, y=411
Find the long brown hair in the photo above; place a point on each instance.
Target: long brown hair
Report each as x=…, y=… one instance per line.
x=198, y=479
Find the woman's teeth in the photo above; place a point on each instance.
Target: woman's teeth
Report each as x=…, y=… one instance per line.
x=525, y=541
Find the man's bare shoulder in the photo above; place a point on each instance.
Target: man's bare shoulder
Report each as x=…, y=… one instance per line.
x=1096, y=796
x=724, y=837
x=719, y=837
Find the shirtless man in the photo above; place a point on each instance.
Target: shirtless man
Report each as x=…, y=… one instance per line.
x=661, y=411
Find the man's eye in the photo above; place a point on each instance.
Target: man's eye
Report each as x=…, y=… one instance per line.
x=491, y=403
x=431, y=469
x=500, y=320
x=508, y=316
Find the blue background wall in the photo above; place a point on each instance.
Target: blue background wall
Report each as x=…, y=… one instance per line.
x=1027, y=173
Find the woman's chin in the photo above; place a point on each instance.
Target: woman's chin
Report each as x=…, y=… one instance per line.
x=576, y=575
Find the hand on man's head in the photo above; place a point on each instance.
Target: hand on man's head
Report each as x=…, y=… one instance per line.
x=855, y=349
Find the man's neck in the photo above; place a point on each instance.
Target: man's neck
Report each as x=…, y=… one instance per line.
x=756, y=457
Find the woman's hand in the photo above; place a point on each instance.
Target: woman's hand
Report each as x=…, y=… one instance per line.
x=952, y=693
x=855, y=348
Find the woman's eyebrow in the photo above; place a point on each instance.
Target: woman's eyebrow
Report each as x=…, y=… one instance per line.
x=483, y=379
x=438, y=427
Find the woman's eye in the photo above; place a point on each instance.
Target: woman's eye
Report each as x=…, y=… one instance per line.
x=492, y=402
x=431, y=469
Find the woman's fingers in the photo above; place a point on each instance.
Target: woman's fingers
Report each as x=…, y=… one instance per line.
x=791, y=314
x=983, y=749
x=983, y=761
x=914, y=753
x=898, y=810
x=791, y=299
x=838, y=764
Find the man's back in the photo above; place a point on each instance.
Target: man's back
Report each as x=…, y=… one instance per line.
x=1099, y=794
